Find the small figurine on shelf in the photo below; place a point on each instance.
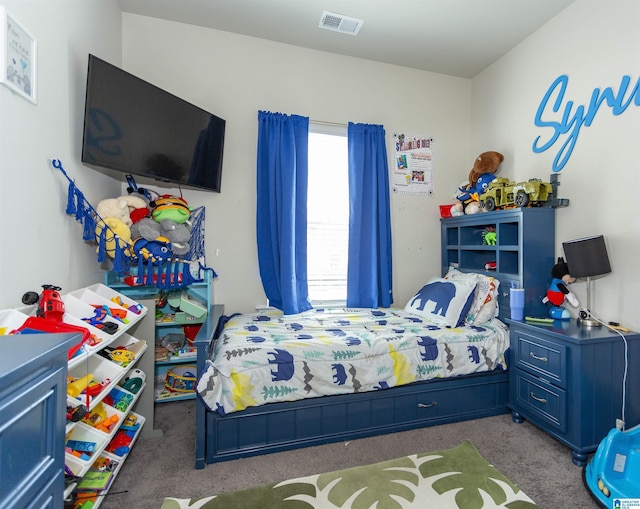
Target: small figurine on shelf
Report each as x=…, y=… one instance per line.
x=489, y=236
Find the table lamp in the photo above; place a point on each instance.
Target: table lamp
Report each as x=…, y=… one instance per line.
x=587, y=258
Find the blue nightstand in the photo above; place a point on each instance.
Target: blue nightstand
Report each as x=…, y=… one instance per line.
x=567, y=380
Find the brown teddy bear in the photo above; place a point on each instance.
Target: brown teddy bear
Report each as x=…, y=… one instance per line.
x=485, y=165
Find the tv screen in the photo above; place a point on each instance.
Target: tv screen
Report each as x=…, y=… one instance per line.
x=134, y=127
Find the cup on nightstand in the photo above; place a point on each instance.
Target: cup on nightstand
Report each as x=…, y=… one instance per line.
x=516, y=303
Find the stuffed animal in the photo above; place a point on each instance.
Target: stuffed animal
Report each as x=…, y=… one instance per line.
x=178, y=235
x=483, y=172
x=154, y=252
x=114, y=227
x=468, y=197
x=120, y=207
x=171, y=207
x=558, y=291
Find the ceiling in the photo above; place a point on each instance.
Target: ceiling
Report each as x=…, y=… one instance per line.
x=453, y=37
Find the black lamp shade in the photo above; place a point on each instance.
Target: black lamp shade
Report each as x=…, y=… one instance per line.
x=587, y=257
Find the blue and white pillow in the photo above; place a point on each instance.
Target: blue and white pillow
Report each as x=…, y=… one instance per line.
x=444, y=302
x=485, y=302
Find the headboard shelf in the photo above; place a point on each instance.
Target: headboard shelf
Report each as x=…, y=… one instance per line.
x=522, y=251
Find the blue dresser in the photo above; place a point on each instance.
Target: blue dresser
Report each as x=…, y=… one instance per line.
x=567, y=380
x=33, y=383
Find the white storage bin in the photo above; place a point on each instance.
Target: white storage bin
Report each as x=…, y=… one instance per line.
x=84, y=433
x=113, y=447
x=101, y=295
x=113, y=417
x=134, y=345
x=110, y=294
x=102, y=370
x=11, y=319
x=76, y=310
x=84, y=311
x=121, y=399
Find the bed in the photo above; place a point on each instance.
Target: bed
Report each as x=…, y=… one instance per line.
x=270, y=382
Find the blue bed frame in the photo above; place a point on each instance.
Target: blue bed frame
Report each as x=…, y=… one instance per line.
x=283, y=426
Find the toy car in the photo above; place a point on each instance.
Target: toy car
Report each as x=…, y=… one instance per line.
x=503, y=192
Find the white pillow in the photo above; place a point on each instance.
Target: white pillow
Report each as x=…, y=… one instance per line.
x=485, y=302
x=444, y=302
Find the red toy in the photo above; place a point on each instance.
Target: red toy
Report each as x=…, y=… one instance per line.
x=49, y=316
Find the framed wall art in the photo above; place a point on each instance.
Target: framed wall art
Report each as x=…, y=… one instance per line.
x=18, y=57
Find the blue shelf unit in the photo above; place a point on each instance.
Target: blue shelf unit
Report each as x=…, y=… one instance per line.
x=522, y=260
x=166, y=324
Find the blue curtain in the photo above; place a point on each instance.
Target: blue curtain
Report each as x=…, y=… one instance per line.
x=369, y=277
x=282, y=174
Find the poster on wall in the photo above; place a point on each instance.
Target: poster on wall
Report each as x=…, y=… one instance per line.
x=17, y=57
x=413, y=164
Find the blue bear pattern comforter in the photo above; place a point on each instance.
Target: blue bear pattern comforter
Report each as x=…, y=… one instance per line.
x=269, y=357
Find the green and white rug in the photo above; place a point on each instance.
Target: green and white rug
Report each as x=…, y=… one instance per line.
x=449, y=479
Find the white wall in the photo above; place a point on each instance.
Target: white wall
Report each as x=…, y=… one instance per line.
x=38, y=243
x=235, y=76
x=595, y=43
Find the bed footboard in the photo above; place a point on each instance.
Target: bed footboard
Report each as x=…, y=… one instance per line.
x=203, y=343
x=284, y=426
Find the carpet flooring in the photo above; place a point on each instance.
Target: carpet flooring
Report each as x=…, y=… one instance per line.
x=164, y=467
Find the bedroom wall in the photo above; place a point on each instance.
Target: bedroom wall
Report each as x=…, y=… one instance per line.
x=38, y=243
x=234, y=76
x=595, y=43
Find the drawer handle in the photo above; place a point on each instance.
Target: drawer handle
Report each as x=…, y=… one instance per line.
x=543, y=359
x=427, y=405
x=539, y=400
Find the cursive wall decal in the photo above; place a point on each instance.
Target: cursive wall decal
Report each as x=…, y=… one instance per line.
x=567, y=126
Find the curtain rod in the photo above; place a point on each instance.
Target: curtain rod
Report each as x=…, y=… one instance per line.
x=331, y=124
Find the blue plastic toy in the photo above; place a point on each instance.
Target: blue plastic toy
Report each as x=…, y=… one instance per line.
x=614, y=471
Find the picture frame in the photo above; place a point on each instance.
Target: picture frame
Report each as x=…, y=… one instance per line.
x=18, y=57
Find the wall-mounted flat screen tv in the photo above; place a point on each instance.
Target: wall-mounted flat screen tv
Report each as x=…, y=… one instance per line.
x=134, y=127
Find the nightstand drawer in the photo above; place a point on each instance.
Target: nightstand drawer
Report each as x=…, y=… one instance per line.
x=541, y=358
x=542, y=400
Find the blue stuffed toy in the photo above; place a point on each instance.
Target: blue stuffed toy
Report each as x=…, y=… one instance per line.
x=467, y=196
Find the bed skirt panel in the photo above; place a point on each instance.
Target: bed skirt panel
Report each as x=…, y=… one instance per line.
x=283, y=426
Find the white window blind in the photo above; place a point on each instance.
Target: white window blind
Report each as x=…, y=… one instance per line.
x=327, y=214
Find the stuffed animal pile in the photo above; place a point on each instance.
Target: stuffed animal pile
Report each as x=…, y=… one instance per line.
x=161, y=233
x=483, y=172
x=153, y=230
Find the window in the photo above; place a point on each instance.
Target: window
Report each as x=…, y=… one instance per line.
x=327, y=214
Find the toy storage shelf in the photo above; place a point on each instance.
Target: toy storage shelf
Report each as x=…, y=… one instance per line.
x=518, y=258
x=95, y=367
x=176, y=312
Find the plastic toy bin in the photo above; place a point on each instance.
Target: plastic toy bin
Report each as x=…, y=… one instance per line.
x=84, y=436
x=113, y=416
x=10, y=320
x=445, y=210
x=102, y=295
x=101, y=370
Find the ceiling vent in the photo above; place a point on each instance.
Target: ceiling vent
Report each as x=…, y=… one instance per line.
x=340, y=23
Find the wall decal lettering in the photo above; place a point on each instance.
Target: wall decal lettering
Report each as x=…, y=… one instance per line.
x=567, y=125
